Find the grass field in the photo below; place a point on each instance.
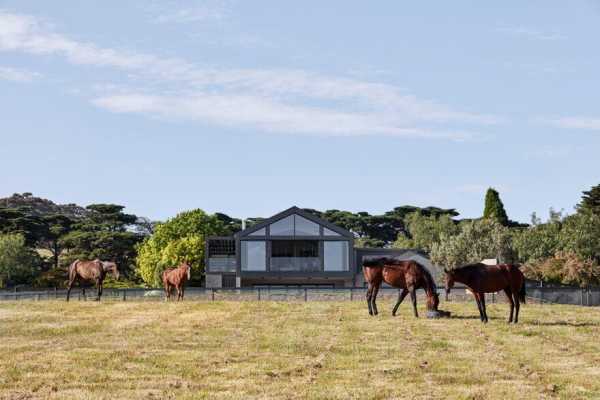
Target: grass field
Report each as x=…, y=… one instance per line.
x=321, y=350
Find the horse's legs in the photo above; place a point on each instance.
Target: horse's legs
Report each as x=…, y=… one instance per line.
x=99, y=284
x=517, y=306
x=484, y=311
x=374, y=299
x=401, y=295
x=83, y=292
x=509, y=296
x=369, y=295
x=413, y=298
x=179, y=297
x=182, y=291
x=168, y=292
x=71, y=281
x=477, y=299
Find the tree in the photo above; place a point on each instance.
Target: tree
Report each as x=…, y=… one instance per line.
x=494, y=208
x=590, y=201
x=424, y=231
x=105, y=233
x=179, y=239
x=476, y=241
x=56, y=227
x=540, y=240
x=18, y=263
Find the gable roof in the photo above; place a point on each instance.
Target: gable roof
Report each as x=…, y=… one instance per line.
x=298, y=211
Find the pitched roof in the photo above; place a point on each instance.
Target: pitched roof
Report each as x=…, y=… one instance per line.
x=298, y=211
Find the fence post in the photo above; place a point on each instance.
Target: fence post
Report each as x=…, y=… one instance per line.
x=124, y=294
x=258, y=294
x=493, y=298
x=213, y=294
x=305, y=294
x=351, y=294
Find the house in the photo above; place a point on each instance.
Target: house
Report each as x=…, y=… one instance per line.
x=292, y=248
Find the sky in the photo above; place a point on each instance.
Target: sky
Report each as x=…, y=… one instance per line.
x=248, y=108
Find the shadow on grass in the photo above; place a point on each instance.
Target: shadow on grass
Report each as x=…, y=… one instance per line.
x=530, y=323
x=563, y=323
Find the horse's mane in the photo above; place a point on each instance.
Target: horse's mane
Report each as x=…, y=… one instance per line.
x=428, y=277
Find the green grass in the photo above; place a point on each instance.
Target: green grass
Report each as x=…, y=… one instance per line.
x=320, y=350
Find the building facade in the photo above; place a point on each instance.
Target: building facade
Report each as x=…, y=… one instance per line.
x=292, y=248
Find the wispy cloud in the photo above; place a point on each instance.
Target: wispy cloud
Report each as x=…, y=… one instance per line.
x=178, y=12
x=278, y=100
x=18, y=75
x=584, y=123
x=530, y=33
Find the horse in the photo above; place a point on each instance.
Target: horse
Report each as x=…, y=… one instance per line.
x=482, y=279
x=407, y=275
x=176, y=278
x=91, y=271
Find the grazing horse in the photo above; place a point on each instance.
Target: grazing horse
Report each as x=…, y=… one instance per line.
x=482, y=279
x=176, y=278
x=90, y=271
x=407, y=275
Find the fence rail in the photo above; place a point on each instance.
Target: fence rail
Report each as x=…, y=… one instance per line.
x=544, y=295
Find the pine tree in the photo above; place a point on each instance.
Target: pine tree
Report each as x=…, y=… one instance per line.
x=590, y=201
x=494, y=208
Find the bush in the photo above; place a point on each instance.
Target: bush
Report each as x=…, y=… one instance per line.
x=18, y=263
x=564, y=267
x=476, y=241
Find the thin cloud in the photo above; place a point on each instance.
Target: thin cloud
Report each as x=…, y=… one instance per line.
x=584, y=123
x=18, y=75
x=531, y=33
x=172, y=12
x=273, y=99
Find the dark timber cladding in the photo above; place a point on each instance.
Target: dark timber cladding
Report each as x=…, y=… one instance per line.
x=293, y=248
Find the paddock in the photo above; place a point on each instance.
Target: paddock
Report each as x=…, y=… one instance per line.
x=293, y=349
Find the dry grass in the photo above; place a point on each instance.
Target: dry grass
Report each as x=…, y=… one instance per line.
x=320, y=350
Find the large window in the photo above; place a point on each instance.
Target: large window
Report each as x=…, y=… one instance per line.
x=335, y=255
x=294, y=225
x=304, y=227
x=254, y=255
x=283, y=227
x=295, y=256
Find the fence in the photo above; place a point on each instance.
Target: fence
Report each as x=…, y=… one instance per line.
x=535, y=294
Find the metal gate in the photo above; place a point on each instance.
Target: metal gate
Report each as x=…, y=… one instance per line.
x=228, y=281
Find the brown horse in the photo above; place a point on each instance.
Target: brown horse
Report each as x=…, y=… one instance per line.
x=407, y=275
x=482, y=279
x=90, y=271
x=176, y=278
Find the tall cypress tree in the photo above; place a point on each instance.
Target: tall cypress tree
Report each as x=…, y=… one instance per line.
x=494, y=208
x=590, y=201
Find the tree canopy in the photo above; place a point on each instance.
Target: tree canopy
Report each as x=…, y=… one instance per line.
x=494, y=208
x=181, y=238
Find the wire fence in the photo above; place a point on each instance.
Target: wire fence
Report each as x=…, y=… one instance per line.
x=535, y=294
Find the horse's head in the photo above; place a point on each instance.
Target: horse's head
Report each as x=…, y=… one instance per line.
x=188, y=269
x=433, y=302
x=110, y=266
x=449, y=281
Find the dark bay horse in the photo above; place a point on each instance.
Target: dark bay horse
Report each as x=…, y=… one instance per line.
x=176, y=278
x=90, y=271
x=407, y=275
x=482, y=279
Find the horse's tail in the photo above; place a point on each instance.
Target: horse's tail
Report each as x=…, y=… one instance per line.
x=522, y=293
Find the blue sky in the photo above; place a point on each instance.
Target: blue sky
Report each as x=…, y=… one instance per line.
x=250, y=107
